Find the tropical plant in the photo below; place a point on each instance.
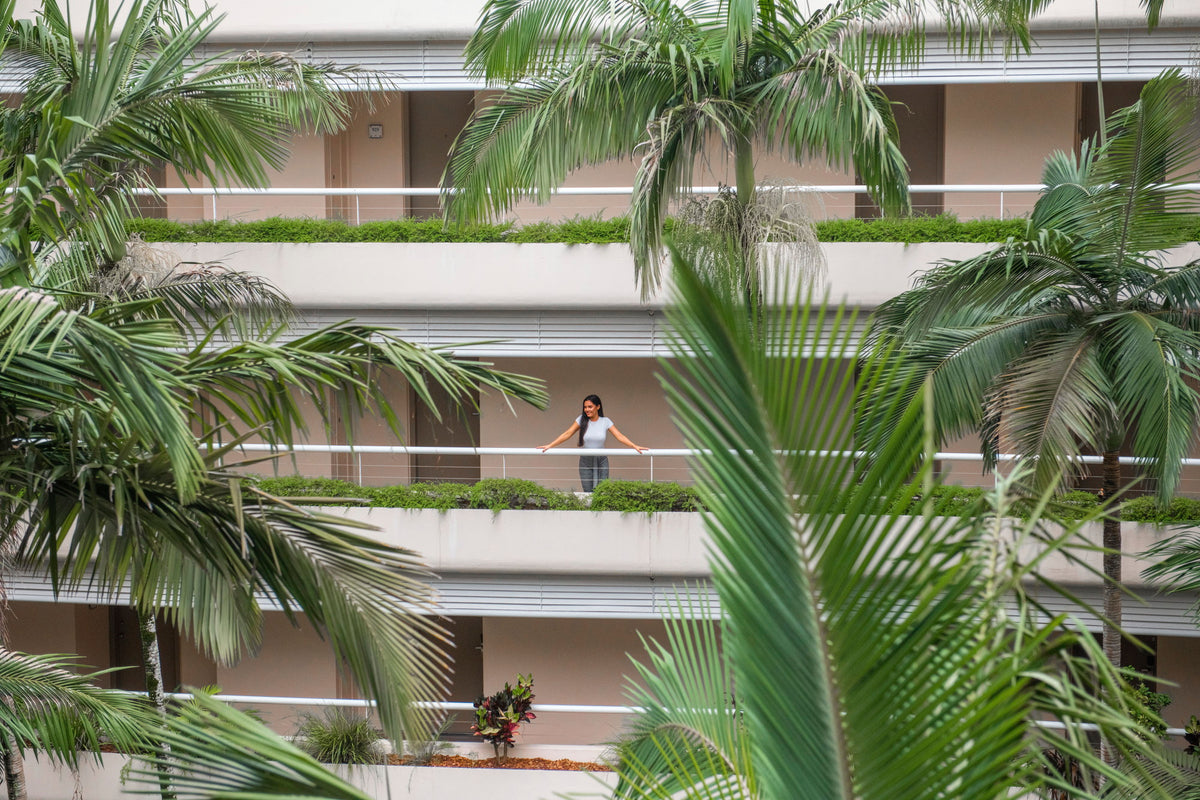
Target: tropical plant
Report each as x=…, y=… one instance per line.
x=1078, y=335
x=108, y=377
x=217, y=751
x=850, y=635
x=498, y=717
x=587, y=81
x=95, y=114
x=336, y=737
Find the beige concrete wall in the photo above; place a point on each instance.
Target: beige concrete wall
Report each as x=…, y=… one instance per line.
x=435, y=121
x=378, y=469
x=633, y=400
x=573, y=661
x=305, y=168
x=1177, y=660
x=43, y=628
x=93, y=642
x=991, y=137
x=377, y=162
x=293, y=662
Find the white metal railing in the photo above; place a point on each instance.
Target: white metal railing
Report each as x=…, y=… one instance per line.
x=504, y=453
x=541, y=708
x=214, y=193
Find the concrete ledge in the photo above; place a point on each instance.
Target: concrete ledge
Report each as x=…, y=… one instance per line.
x=642, y=545
x=496, y=276
x=547, y=542
x=102, y=781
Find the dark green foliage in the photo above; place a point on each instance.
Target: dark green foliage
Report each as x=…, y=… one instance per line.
x=643, y=496
x=281, y=229
x=1148, y=705
x=942, y=228
x=947, y=501
x=499, y=494
x=296, y=486
x=1147, y=509
x=580, y=230
x=440, y=496
x=336, y=737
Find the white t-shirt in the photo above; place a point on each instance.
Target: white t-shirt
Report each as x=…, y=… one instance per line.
x=596, y=432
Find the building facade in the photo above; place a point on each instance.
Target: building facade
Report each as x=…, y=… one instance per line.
x=587, y=584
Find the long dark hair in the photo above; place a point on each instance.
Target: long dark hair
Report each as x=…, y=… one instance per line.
x=583, y=417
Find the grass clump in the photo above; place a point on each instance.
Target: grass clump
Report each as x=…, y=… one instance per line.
x=336, y=737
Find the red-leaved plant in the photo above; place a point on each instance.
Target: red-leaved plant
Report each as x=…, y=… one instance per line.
x=497, y=718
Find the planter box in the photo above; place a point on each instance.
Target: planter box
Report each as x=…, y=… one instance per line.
x=102, y=781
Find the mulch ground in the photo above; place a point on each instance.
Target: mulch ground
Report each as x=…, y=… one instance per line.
x=561, y=764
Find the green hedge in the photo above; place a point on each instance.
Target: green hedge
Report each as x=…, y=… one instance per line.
x=581, y=230
x=499, y=494
x=614, y=495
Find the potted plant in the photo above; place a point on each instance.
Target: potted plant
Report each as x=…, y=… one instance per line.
x=498, y=717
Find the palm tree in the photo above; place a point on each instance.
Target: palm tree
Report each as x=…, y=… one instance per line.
x=105, y=380
x=592, y=80
x=1077, y=335
x=863, y=654
x=97, y=113
x=52, y=708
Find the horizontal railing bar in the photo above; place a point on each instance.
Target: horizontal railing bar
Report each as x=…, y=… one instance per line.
x=542, y=708
x=417, y=191
x=400, y=449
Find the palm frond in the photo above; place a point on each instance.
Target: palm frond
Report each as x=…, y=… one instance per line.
x=117, y=525
x=49, y=706
x=218, y=752
x=868, y=628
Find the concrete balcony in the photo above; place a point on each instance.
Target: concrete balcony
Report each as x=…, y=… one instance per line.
x=472, y=277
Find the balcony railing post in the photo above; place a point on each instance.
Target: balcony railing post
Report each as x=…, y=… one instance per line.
x=1001, y=205
x=503, y=466
x=357, y=210
x=214, y=206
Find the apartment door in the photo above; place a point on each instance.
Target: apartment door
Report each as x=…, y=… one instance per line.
x=454, y=425
x=125, y=647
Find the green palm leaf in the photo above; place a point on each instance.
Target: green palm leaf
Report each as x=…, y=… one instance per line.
x=47, y=704
x=223, y=754
x=851, y=635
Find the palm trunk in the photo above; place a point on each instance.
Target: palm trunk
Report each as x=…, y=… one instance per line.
x=152, y=667
x=1111, y=638
x=10, y=750
x=14, y=766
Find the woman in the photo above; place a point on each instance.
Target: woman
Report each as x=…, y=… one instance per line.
x=593, y=427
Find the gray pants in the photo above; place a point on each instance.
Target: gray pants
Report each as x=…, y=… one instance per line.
x=592, y=470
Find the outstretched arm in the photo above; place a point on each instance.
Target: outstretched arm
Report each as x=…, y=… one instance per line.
x=562, y=437
x=623, y=439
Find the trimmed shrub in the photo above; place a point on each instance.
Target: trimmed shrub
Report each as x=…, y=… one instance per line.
x=440, y=496
x=1179, y=511
x=296, y=488
x=613, y=495
x=949, y=501
x=500, y=494
x=580, y=230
